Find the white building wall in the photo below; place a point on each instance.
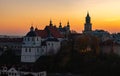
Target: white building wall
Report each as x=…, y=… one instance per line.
x=13, y=72
x=31, y=54
x=52, y=47
x=31, y=49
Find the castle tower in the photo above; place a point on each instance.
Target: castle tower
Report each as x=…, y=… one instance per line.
x=88, y=25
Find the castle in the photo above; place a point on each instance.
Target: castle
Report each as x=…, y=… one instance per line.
x=37, y=42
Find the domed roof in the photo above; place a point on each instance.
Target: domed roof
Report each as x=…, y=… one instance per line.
x=31, y=34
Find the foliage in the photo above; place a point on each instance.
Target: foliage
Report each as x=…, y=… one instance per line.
x=8, y=57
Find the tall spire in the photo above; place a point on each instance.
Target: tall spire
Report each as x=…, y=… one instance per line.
x=31, y=28
x=60, y=26
x=68, y=25
x=88, y=18
x=36, y=28
x=50, y=23
x=88, y=14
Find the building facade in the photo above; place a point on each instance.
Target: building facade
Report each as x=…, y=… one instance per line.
x=13, y=71
x=38, y=43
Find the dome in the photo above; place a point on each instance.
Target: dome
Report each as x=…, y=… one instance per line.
x=31, y=34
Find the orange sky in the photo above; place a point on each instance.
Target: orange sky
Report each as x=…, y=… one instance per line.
x=16, y=16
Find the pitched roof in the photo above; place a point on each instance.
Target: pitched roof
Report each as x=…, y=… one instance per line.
x=54, y=31
x=41, y=33
x=49, y=29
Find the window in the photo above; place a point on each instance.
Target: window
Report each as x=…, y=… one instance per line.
x=9, y=73
x=25, y=49
x=24, y=39
x=32, y=38
x=15, y=74
x=29, y=49
x=37, y=38
x=28, y=39
x=49, y=44
x=41, y=74
x=5, y=68
x=37, y=49
x=52, y=44
x=12, y=74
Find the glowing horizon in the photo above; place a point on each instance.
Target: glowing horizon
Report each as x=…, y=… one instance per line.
x=18, y=15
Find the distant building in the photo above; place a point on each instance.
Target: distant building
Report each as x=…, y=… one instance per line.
x=13, y=71
x=109, y=46
x=116, y=37
x=11, y=43
x=101, y=34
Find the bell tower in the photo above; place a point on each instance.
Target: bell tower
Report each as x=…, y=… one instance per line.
x=88, y=25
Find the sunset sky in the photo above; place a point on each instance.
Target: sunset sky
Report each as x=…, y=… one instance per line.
x=16, y=16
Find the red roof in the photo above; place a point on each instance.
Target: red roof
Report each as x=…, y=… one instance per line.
x=41, y=33
x=52, y=29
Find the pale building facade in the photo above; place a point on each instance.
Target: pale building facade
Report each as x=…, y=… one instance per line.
x=38, y=43
x=14, y=72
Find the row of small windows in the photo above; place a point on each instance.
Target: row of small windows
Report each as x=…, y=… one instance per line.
x=29, y=49
x=30, y=39
x=11, y=74
x=50, y=44
x=41, y=74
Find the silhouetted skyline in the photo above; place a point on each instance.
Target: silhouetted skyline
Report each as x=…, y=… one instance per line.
x=18, y=15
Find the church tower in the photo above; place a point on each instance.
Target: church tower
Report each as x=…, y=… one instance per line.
x=88, y=25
